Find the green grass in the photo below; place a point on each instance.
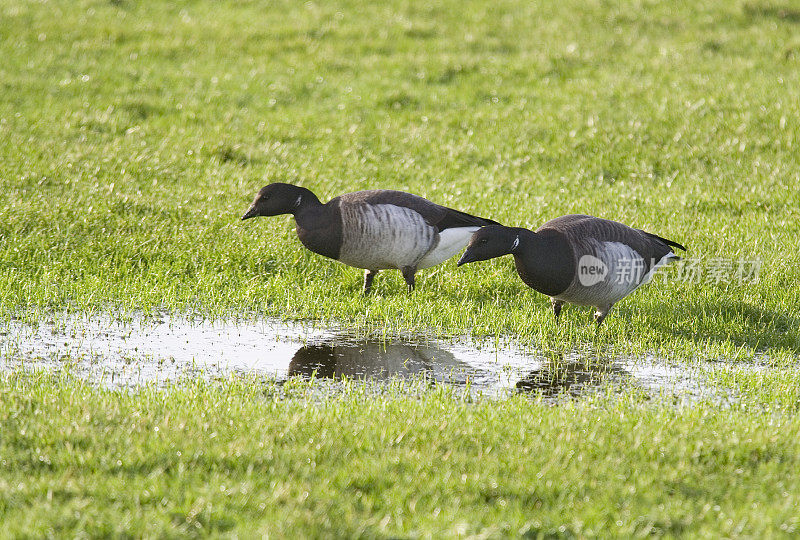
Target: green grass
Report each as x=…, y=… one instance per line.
x=239, y=457
x=134, y=134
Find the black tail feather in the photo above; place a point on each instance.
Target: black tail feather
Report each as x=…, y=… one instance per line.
x=456, y=218
x=666, y=241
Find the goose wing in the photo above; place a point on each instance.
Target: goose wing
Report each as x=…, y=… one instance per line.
x=582, y=229
x=434, y=214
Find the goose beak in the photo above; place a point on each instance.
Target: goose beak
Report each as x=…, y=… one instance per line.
x=466, y=258
x=251, y=212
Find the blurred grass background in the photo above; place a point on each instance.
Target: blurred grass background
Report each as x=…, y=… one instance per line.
x=134, y=134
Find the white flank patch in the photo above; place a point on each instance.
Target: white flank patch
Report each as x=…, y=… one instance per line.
x=666, y=259
x=382, y=236
x=451, y=241
x=591, y=270
x=622, y=273
x=625, y=269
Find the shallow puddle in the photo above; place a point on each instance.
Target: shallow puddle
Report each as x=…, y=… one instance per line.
x=116, y=352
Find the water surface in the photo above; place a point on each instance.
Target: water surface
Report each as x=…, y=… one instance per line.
x=126, y=352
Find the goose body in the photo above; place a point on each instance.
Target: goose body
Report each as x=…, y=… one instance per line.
x=577, y=259
x=375, y=230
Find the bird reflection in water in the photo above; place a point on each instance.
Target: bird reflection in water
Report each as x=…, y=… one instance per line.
x=569, y=376
x=380, y=361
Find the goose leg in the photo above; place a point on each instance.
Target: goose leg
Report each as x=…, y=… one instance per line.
x=600, y=314
x=557, y=304
x=408, y=275
x=369, y=275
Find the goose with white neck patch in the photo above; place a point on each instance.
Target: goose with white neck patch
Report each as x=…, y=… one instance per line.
x=578, y=259
x=376, y=230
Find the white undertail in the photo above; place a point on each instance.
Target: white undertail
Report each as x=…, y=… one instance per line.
x=451, y=241
x=666, y=259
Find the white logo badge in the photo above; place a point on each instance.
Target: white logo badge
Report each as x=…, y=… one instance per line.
x=591, y=270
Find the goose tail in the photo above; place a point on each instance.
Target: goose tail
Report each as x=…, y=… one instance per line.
x=666, y=241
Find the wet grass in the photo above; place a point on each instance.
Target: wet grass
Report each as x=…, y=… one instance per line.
x=250, y=458
x=114, y=353
x=134, y=134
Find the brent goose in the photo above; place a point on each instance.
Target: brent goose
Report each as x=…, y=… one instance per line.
x=375, y=230
x=578, y=259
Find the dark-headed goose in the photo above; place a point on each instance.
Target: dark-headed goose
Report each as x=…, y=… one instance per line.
x=375, y=230
x=578, y=259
